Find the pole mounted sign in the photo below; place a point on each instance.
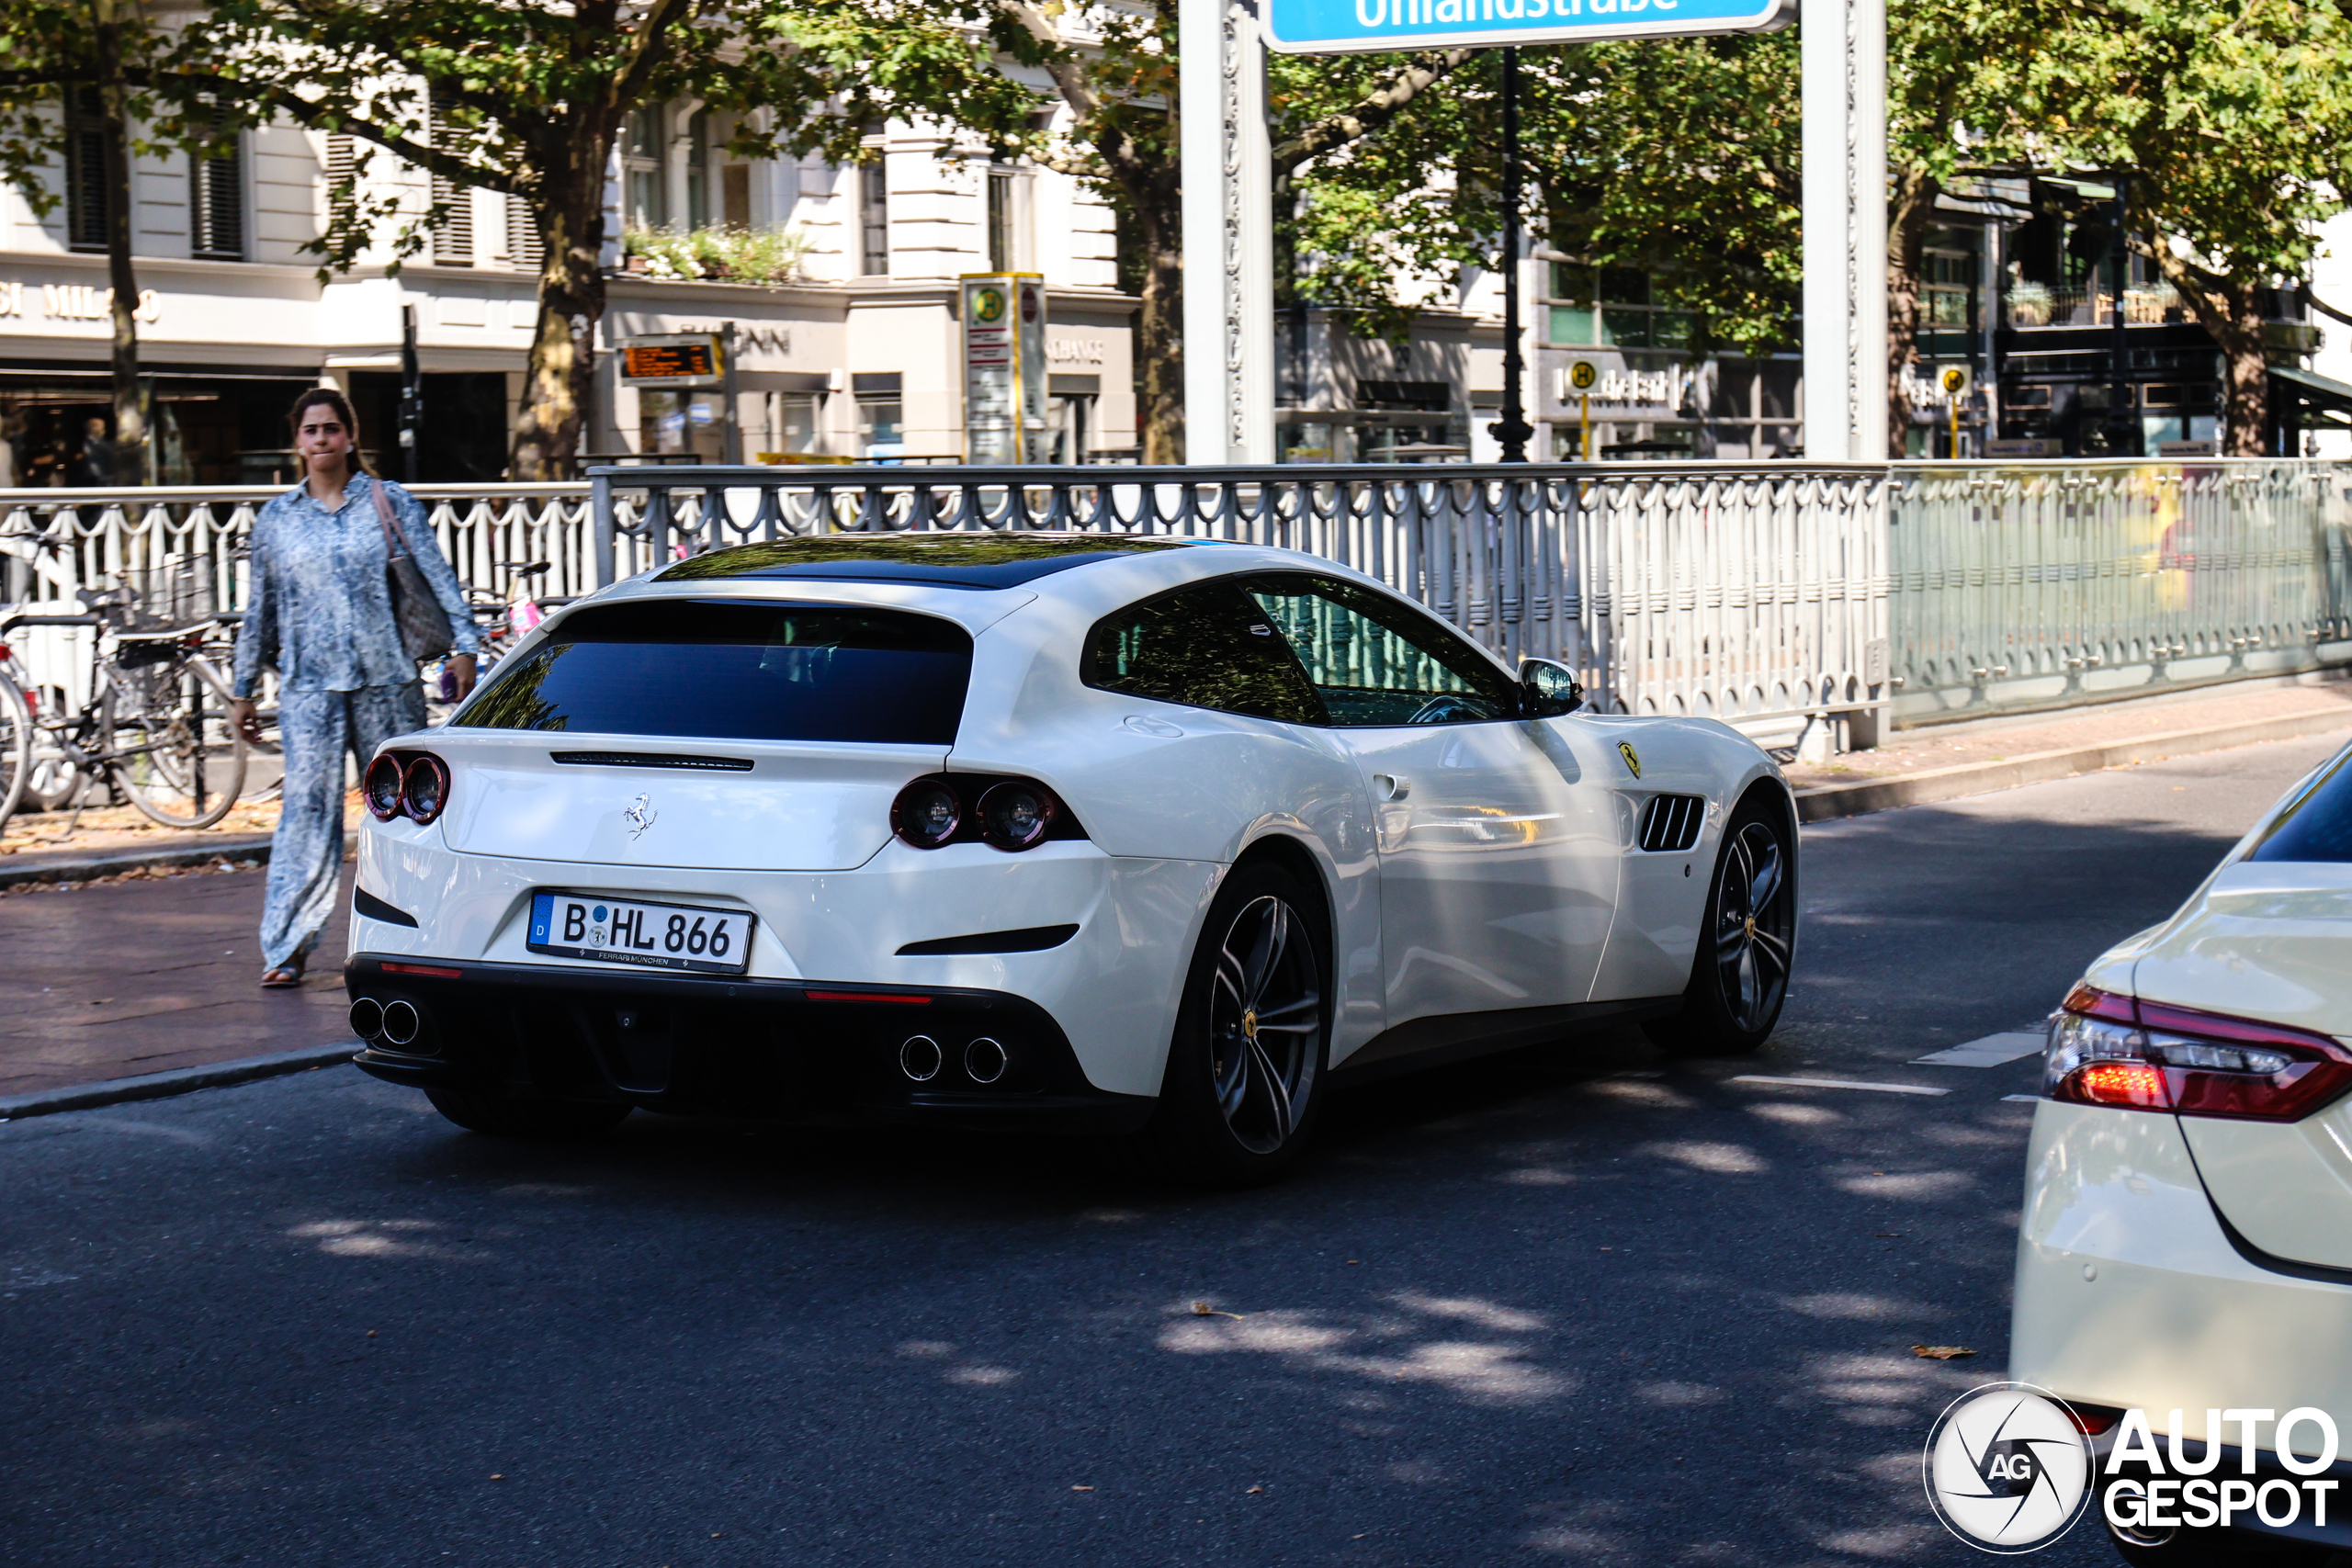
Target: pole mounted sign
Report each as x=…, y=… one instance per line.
x=1004, y=367
x=1350, y=26
x=673, y=360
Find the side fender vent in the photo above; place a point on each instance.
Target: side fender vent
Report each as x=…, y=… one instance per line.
x=1671, y=822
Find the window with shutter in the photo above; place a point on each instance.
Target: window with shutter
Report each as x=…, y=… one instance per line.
x=86, y=226
x=216, y=205
x=873, y=200
x=453, y=237
x=523, y=245
x=343, y=171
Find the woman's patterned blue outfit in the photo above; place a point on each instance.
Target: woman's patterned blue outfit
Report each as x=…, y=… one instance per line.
x=319, y=611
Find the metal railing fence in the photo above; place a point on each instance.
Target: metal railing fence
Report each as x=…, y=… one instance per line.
x=1756, y=593
x=1751, y=593
x=2019, y=587
x=56, y=543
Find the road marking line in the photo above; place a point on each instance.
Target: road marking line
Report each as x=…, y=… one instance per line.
x=2021, y=1099
x=1841, y=1083
x=1989, y=1051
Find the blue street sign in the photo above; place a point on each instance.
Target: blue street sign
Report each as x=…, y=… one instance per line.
x=1358, y=27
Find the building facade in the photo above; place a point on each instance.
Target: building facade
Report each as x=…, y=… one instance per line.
x=838, y=282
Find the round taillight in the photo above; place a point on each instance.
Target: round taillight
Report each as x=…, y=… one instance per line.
x=926, y=814
x=426, y=789
x=383, y=788
x=1015, y=816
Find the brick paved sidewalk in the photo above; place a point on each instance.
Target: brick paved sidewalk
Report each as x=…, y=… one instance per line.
x=112, y=980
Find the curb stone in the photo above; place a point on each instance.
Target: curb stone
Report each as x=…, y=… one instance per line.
x=83, y=868
x=1825, y=802
x=161, y=1086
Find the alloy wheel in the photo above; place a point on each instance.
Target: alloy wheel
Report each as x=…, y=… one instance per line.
x=1265, y=1023
x=1754, y=917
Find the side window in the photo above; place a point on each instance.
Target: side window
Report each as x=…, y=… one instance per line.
x=1206, y=646
x=1375, y=662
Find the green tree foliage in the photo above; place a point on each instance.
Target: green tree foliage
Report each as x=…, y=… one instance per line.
x=528, y=97
x=1649, y=155
x=2231, y=122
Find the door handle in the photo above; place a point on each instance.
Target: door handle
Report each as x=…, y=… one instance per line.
x=1390, y=787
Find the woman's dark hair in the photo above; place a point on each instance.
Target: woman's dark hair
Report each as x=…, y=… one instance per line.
x=341, y=406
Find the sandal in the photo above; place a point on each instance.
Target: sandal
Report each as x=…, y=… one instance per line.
x=285, y=976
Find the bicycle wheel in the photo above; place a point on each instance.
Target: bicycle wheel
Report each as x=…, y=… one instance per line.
x=15, y=748
x=172, y=747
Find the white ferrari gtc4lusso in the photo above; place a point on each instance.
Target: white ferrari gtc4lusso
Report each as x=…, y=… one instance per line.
x=2186, y=1251
x=1039, y=832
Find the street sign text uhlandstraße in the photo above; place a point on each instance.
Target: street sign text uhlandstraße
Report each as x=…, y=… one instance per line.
x=1355, y=27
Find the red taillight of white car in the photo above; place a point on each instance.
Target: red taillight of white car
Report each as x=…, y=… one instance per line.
x=1008, y=814
x=2137, y=1056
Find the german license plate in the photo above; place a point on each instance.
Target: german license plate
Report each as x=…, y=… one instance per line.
x=652, y=936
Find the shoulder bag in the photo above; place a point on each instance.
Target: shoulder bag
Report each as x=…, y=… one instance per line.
x=424, y=624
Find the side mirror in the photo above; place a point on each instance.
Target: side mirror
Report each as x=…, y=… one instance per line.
x=1548, y=689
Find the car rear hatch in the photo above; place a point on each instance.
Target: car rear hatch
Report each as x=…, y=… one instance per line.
x=706, y=733
x=2269, y=942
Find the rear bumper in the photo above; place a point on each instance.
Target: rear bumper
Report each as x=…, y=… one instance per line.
x=2129, y=1294
x=783, y=1050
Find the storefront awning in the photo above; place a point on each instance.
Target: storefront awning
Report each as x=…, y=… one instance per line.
x=2318, y=393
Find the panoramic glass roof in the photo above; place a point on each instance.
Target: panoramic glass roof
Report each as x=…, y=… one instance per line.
x=940, y=560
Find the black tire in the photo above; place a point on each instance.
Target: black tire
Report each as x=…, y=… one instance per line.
x=1739, y=978
x=508, y=1118
x=15, y=748
x=1252, y=1045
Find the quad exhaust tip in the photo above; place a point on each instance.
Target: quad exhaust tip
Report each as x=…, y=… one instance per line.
x=400, y=1023
x=366, y=1018
x=920, y=1058
x=985, y=1060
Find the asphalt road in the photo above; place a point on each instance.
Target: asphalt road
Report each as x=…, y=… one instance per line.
x=1585, y=1304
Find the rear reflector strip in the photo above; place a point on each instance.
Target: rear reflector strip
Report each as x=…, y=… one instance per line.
x=423, y=969
x=651, y=760
x=900, y=998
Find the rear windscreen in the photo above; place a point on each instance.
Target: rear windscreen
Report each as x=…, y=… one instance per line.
x=2317, y=825
x=737, y=671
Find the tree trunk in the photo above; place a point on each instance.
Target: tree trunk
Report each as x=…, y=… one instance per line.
x=2230, y=310
x=1159, y=325
x=129, y=405
x=1908, y=218
x=569, y=208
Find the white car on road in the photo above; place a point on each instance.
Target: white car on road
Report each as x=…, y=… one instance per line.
x=1039, y=832
x=2186, y=1240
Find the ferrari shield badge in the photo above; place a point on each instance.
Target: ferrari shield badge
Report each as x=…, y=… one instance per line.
x=1633, y=757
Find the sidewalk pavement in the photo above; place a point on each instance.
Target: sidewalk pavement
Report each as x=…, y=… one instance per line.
x=1910, y=751
x=113, y=980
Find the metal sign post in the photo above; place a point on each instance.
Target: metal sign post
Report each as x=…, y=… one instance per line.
x=1004, y=367
x=1843, y=65
x=1228, y=234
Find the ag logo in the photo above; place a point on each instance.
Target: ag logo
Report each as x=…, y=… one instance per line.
x=1582, y=375
x=988, y=304
x=2007, y=1471
x=1633, y=757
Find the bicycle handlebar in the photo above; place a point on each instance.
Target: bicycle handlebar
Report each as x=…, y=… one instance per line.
x=13, y=622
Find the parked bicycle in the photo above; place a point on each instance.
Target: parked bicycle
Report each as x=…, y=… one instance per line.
x=156, y=729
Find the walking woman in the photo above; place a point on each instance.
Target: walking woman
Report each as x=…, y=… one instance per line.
x=320, y=610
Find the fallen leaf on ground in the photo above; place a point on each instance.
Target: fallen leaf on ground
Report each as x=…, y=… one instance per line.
x=1082, y=1488
x=1203, y=1309
x=1941, y=1352
x=1253, y=1491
